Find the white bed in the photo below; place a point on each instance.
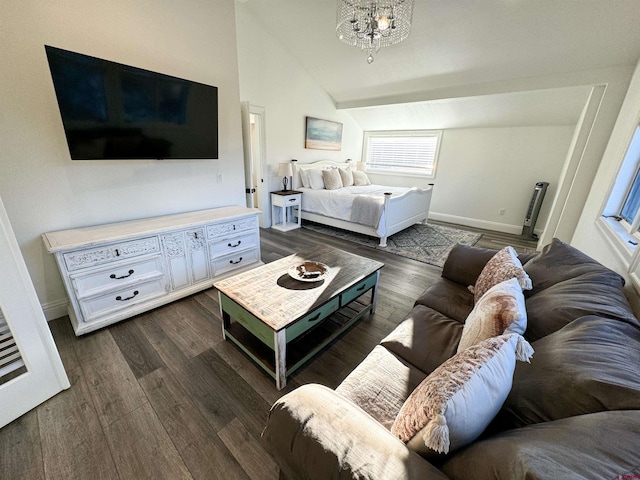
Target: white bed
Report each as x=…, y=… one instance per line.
x=381, y=211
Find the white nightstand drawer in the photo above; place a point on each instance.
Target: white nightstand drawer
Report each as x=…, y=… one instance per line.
x=293, y=200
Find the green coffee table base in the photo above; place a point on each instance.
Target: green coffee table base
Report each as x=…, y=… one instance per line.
x=282, y=352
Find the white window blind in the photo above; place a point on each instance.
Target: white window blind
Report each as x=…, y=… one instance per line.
x=403, y=152
x=10, y=358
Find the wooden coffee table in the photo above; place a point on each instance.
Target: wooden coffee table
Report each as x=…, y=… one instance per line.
x=281, y=322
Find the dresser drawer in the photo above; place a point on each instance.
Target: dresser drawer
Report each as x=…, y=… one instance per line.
x=232, y=245
x=103, y=305
x=116, y=276
x=230, y=262
x=225, y=228
x=108, y=253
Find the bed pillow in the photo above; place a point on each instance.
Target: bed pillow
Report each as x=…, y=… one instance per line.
x=504, y=265
x=315, y=179
x=501, y=310
x=456, y=402
x=304, y=179
x=347, y=177
x=332, y=179
x=360, y=178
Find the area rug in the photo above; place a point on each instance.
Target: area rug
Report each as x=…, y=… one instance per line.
x=424, y=242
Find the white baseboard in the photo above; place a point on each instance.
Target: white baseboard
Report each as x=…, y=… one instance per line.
x=53, y=310
x=474, y=222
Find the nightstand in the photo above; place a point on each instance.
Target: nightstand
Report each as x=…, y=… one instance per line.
x=285, y=200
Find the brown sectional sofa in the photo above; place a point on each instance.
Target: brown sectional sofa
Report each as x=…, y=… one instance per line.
x=573, y=412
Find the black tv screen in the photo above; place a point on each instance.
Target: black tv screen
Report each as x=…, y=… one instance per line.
x=113, y=111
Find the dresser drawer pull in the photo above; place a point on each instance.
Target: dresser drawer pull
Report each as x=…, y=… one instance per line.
x=361, y=288
x=113, y=275
x=315, y=317
x=233, y=246
x=120, y=299
x=293, y=199
x=235, y=263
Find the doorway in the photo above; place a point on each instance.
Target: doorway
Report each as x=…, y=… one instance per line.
x=253, y=119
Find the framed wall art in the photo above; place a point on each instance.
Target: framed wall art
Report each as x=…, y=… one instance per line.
x=323, y=134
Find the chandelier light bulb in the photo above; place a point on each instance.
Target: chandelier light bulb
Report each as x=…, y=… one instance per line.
x=383, y=23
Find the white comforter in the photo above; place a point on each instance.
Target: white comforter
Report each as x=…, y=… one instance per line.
x=341, y=203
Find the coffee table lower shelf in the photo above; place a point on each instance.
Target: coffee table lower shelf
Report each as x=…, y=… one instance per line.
x=303, y=348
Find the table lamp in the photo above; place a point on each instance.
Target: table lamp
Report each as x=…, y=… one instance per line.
x=285, y=171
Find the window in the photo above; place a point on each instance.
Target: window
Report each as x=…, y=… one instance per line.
x=632, y=202
x=402, y=152
x=622, y=211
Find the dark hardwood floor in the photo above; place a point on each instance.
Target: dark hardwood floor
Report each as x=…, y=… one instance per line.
x=163, y=396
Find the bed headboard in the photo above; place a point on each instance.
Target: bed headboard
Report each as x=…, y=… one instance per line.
x=297, y=166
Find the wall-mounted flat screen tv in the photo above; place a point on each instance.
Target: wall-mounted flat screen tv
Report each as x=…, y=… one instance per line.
x=113, y=111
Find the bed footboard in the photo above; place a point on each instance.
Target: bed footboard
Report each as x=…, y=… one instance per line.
x=404, y=210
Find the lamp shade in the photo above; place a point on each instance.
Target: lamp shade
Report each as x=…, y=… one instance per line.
x=285, y=170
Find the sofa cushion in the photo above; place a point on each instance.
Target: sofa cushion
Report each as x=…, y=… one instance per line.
x=425, y=338
x=451, y=299
x=456, y=402
x=592, y=293
x=502, y=266
x=567, y=285
x=380, y=384
x=590, y=365
x=559, y=262
x=500, y=310
x=597, y=445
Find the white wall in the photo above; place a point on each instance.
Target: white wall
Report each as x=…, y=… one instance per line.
x=483, y=170
x=41, y=187
x=271, y=78
x=588, y=237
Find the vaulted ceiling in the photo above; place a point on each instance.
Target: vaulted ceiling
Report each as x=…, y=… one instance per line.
x=463, y=55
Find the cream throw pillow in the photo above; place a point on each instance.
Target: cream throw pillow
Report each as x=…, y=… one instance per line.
x=453, y=405
x=347, y=177
x=502, y=266
x=315, y=179
x=500, y=310
x=332, y=179
x=304, y=179
x=360, y=178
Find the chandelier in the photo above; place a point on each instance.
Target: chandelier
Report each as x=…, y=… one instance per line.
x=373, y=24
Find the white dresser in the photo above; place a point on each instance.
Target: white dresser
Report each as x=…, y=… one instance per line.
x=114, y=271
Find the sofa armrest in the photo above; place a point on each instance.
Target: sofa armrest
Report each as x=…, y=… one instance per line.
x=464, y=263
x=315, y=433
